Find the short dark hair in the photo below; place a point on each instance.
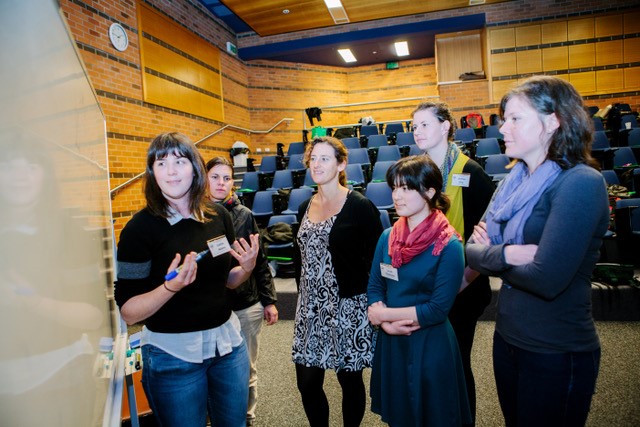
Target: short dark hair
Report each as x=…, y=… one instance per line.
x=179, y=145
x=339, y=149
x=419, y=173
x=571, y=142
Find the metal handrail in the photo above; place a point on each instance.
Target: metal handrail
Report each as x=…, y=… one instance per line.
x=355, y=104
x=217, y=131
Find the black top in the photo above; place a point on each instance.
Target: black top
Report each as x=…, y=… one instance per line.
x=259, y=286
x=352, y=242
x=147, y=246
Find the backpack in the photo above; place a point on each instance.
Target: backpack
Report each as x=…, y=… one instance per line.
x=474, y=120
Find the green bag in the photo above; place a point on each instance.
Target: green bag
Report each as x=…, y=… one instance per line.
x=318, y=131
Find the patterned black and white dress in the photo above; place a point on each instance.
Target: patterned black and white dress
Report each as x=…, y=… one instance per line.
x=330, y=332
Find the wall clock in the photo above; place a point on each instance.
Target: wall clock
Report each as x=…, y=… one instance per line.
x=118, y=37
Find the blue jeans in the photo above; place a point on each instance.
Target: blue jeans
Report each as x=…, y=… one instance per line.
x=179, y=392
x=542, y=389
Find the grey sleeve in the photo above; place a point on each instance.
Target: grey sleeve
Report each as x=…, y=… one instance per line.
x=576, y=221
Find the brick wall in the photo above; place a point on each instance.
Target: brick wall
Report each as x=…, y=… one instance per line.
x=117, y=78
x=260, y=93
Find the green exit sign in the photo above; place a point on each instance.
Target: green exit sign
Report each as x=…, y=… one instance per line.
x=392, y=65
x=232, y=49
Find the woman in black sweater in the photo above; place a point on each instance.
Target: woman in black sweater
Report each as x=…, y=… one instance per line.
x=193, y=354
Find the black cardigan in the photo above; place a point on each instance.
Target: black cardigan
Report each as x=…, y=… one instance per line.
x=352, y=242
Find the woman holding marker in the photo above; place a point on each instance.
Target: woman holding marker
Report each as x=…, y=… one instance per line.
x=194, y=357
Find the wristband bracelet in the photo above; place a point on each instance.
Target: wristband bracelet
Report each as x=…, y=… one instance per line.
x=170, y=290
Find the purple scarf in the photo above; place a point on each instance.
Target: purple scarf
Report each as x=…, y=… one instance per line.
x=514, y=201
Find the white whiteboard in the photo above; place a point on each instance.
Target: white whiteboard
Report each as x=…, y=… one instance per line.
x=56, y=256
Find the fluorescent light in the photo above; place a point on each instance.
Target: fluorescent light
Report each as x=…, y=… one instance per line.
x=402, y=49
x=338, y=14
x=347, y=55
x=333, y=3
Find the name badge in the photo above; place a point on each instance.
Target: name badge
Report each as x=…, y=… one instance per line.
x=460, y=179
x=218, y=245
x=388, y=271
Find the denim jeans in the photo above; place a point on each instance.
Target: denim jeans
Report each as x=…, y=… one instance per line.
x=180, y=392
x=544, y=389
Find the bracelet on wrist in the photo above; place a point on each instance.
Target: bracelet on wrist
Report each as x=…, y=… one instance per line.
x=167, y=288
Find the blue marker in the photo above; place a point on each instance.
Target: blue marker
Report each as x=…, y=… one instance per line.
x=174, y=273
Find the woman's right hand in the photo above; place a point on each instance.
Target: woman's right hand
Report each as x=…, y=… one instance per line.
x=187, y=273
x=399, y=327
x=520, y=254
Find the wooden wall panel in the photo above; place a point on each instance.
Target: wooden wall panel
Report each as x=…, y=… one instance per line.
x=554, y=32
x=607, y=26
x=503, y=64
x=502, y=38
x=457, y=54
x=529, y=61
x=168, y=31
x=165, y=91
x=582, y=55
x=632, y=78
x=500, y=87
x=172, y=95
x=609, y=80
x=631, y=50
x=579, y=29
x=631, y=22
x=181, y=68
x=527, y=36
x=555, y=58
x=609, y=53
x=585, y=83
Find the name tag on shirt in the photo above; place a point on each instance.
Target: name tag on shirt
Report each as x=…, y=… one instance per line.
x=218, y=245
x=388, y=271
x=460, y=179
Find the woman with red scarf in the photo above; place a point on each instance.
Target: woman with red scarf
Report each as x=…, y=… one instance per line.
x=417, y=377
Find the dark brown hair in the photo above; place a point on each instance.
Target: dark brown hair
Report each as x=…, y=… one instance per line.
x=179, y=145
x=571, y=142
x=442, y=113
x=419, y=173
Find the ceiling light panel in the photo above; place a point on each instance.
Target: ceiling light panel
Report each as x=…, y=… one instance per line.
x=402, y=48
x=347, y=55
x=337, y=11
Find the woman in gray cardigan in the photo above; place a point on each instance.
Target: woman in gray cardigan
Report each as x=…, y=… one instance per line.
x=541, y=235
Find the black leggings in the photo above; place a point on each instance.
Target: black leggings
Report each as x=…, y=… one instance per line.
x=310, y=384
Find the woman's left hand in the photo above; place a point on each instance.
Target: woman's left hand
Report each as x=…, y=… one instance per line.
x=246, y=253
x=480, y=234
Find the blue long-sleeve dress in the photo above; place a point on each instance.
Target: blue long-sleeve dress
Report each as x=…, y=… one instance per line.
x=418, y=380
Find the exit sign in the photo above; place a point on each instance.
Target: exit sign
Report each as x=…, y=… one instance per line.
x=392, y=65
x=232, y=49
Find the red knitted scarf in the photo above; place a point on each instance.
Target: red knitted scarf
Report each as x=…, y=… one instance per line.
x=434, y=230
